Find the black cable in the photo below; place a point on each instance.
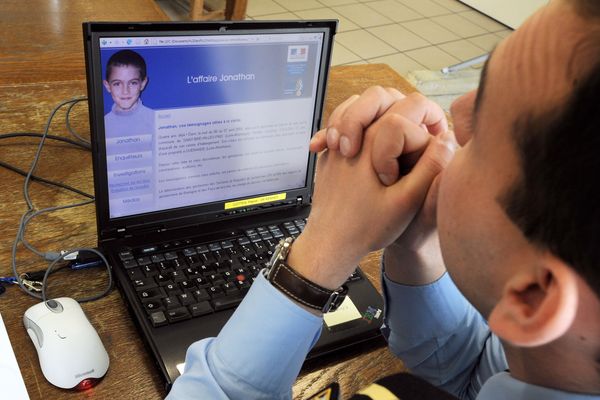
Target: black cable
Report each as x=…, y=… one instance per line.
x=44, y=180
x=83, y=145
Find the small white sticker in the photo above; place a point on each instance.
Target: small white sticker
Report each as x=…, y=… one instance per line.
x=347, y=311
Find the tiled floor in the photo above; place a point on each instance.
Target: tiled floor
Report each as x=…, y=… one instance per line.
x=406, y=34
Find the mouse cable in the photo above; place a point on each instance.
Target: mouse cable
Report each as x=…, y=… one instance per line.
x=50, y=255
x=44, y=180
x=70, y=128
x=27, y=215
x=81, y=144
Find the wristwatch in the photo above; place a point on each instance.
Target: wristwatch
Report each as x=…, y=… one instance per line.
x=295, y=286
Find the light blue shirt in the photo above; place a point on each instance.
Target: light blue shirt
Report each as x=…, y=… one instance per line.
x=136, y=122
x=432, y=328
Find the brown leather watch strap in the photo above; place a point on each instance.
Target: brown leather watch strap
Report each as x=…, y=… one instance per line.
x=295, y=286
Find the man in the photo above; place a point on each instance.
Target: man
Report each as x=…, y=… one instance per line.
x=517, y=221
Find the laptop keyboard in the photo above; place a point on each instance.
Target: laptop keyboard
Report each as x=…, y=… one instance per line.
x=180, y=280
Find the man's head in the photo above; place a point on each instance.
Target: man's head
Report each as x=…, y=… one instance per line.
x=125, y=78
x=517, y=211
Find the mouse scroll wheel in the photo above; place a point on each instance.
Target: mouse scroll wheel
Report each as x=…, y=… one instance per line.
x=54, y=306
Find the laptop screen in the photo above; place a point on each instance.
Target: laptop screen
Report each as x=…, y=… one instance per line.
x=197, y=119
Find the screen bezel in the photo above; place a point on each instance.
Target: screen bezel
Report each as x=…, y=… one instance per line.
x=194, y=214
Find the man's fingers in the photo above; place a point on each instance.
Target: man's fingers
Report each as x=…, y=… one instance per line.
x=350, y=128
x=332, y=136
x=420, y=110
x=412, y=189
x=318, y=142
x=394, y=136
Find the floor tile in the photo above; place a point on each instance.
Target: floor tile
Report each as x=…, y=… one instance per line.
x=263, y=7
x=401, y=38
x=281, y=16
x=399, y=62
x=427, y=8
x=462, y=49
x=484, y=21
x=459, y=25
x=503, y=34
x=364, y=44
x=486, y=42
x=395, y=11
x=432, y=57
x=295, y=5
x=362, y=15
x=430, y=31
x=342, y=55
x=327, y=13
x=331, y=3
x=453, y=5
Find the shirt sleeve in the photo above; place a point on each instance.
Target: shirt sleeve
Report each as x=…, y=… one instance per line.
x=440, y=336
x=257, y=354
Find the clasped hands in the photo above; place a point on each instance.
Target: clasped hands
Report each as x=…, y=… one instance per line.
x=376, y=183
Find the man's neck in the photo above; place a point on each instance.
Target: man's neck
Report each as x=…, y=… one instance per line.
x=556, y=366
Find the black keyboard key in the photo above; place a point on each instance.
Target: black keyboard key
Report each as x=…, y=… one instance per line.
x=266, y=236
x=192, y=273
x=193, y=261
x=177, y=276
x=170, y=255
x=158, y=319
x=179, y=264
x=135, y=273
x=144, y=283
x=144, y=261
x=243, y=286
x=164, y=267
x=199, y=309
x=226, y=244
x=152, y=306
x=215, y=292
x=149, y=249
x=229, y=276
x=171, y=302
x=189, y=252
x=220, y=256
x=207, y=258
x=126, y=255
x=224, y=303
x=150, y=270
x=201, y=282
x=230, y=288
x=201, y=294
x=214, y=247
x=163, y=279
x=156, y=258
x=202, y=249
x=243, y=241
x=186, y=285
x=130, y=263
x=151, y=294
x=186, y=299
x=172, y=289
x=178, y=314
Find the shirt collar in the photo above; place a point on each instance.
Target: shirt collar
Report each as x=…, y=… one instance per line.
x=504, y=386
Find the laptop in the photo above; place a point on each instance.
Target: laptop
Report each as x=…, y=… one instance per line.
x=200, y=136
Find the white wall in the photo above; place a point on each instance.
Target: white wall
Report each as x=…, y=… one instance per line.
x=509, y=12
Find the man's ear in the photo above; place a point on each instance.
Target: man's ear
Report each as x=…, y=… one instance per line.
x=144, y=83
x=106, y=85
x=538, y=305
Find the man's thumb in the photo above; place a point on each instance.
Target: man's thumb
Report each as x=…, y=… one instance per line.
x=438, y=154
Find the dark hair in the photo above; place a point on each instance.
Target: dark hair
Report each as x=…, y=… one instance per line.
x=125, y=58
x=556, y=201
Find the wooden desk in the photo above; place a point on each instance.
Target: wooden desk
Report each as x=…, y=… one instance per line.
x=30, y=86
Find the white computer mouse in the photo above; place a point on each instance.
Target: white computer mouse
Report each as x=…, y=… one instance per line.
x=71, y=353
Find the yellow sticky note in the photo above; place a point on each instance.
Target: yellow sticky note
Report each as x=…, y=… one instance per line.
x=347, y=311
